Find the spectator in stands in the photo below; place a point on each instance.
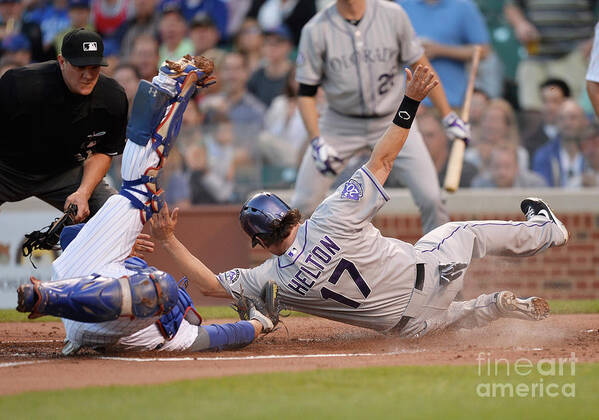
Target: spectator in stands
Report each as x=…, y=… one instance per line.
x=498, y=127
x=438, y=147
x=145, y=21
x=590, y=151
x=128, y=77
x=217, y=183
x=12, y=22
x=284, y=137
x=249, y=42
x=478, y=107
x=560, y=161
x=246, y=114
x=449, y=47
x=270, y=79
x=553, y=94
x=504, y=171
x=292, y=13
x=109, y=16
x=54, y=21
x=79, y=17
x=205, y=37
x=17, y=49
x=558, y=38
x=145, y=57
x=216, y=9
x=111, y=55
x=173, y=34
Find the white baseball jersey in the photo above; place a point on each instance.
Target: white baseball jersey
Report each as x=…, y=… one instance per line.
x=340, y=266
x=593, y=70
x=360, y=67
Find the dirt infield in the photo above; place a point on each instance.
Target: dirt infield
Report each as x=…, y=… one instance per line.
x=30, y=352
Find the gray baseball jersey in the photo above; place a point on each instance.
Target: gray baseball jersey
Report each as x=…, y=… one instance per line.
x=360, y=67
x=340, y=266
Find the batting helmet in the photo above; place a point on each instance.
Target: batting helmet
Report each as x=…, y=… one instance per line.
x=259, y=212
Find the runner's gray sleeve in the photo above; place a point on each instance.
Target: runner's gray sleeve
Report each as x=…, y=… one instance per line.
x=248, y=280
x=411, y=48
x=353, y=205
x=309, y=62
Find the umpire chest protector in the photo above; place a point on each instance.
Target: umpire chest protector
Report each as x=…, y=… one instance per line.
x=48, y=129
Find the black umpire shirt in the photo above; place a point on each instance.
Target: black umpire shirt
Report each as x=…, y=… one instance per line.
x=46, y=129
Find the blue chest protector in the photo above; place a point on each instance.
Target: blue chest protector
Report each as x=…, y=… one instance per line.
x=169, y=323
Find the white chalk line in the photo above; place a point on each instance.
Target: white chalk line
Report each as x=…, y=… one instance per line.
x=31, y=362
x=260, y=357
x=31, y=341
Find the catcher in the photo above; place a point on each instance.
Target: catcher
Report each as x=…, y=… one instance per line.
x=107, y=300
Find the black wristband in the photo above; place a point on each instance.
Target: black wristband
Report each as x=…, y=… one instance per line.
x=406, y=113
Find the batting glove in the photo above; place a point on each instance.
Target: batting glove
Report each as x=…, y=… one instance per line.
x=326, y=158
x=455, y=128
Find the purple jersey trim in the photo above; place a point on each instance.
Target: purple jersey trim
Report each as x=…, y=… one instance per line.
x=375, y=182
x=484, y=224
x=298, y=255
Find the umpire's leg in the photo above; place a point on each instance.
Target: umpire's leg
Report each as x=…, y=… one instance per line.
x=417, y=172
x=56, y=189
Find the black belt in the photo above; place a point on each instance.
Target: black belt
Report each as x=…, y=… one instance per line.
x=418, y=285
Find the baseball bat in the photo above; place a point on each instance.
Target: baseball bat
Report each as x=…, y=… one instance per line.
x=456, y=156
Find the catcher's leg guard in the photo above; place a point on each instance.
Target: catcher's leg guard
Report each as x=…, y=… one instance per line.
x=167, y=131
x=99, y=299
x=148, y=110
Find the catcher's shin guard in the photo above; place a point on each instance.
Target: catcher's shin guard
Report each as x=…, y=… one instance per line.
x=98, y=299
x=162, y=141
x=148, y=110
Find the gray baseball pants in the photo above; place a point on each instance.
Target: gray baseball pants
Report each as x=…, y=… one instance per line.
x=447, y=252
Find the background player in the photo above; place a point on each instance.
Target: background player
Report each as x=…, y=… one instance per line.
x=120, y=304
x=337, y=264
x=356, y=50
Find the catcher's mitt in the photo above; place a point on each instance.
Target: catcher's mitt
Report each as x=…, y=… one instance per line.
x=47, y=237
x=267, y=304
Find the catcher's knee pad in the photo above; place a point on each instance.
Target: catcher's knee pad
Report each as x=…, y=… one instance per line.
x=149, y=107
x=98, y=299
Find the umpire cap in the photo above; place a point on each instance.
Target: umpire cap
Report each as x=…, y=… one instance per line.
x=259, y=212
x=82, y=48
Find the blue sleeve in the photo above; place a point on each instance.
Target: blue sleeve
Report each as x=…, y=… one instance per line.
x=474, y=25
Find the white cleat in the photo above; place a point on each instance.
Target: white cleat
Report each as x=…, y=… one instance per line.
x=533, y=206
x=532, y=308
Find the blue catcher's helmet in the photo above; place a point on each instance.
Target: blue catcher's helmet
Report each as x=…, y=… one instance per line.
x=259, y=212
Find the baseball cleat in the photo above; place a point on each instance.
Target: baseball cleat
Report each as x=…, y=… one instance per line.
x=532, y=308
x=533, y=206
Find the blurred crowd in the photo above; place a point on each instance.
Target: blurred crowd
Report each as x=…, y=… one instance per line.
x=532, y=123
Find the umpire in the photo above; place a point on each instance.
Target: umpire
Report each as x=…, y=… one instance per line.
x=62, y=122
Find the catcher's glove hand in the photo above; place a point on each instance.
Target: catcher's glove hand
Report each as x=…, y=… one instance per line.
x=265, y=309
x=47, y=237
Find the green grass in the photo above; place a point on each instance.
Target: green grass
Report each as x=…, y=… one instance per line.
x=590, y=306
x=213, y=312
x=406, y=392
